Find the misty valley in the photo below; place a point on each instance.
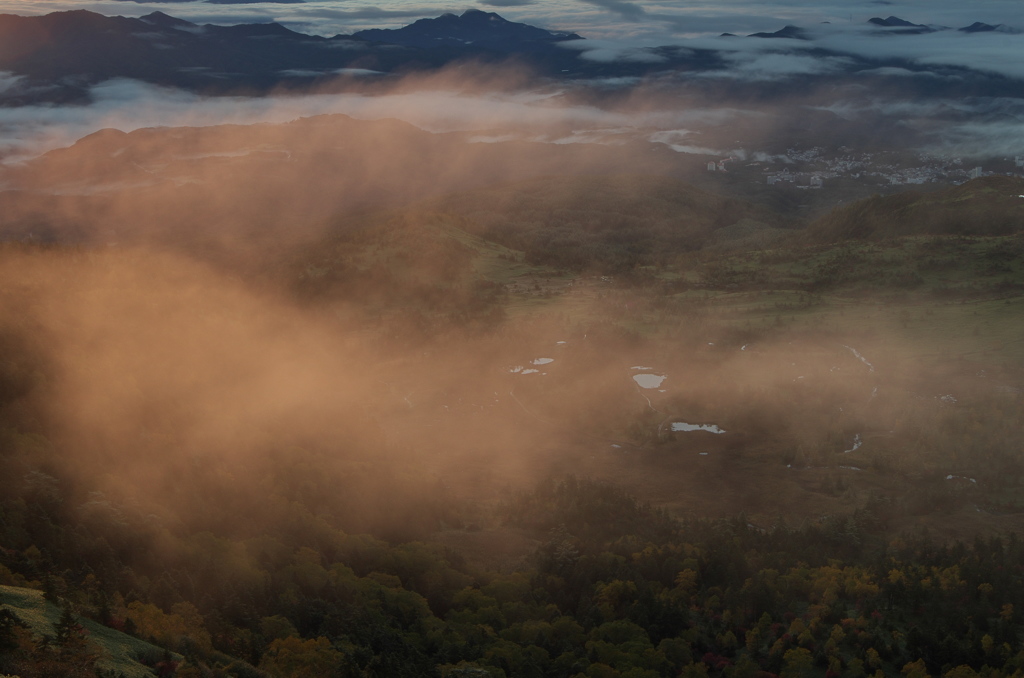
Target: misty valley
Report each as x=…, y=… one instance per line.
x=349, y=396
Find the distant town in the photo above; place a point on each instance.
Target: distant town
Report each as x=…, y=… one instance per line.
x=815, y=168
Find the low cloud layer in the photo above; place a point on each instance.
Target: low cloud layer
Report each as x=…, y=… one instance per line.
x=977, y=127
x=506, y=3
x=630, y=110
x=437, y=105
x=778, y=66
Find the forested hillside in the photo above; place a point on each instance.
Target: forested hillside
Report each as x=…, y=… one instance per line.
x=299, y=543
x=613, y=588
x=596, y=425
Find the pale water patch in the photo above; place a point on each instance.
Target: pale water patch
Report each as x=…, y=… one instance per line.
x=640, y=367
x=519, y=369
x=650, y=381
x=857, y=442
x=683, y=426
x=542, y=361
x=953, y=477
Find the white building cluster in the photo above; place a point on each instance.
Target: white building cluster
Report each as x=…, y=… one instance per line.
x=812, y=168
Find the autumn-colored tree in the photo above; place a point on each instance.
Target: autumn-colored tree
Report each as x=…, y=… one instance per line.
x=297, y=658
x=797, y=663
x=915, y=669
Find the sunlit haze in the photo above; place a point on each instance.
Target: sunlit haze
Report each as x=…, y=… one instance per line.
x=520, y=339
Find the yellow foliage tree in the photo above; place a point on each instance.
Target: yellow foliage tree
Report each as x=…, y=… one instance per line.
x=797, y=663
x=915, y=669
x=297, y=658
x=962, y=671
x=168, y=630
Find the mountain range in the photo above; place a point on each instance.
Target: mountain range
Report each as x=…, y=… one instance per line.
x=58, y=57
x=486, y=30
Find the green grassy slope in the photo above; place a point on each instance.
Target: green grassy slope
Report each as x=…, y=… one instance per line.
x=119, y=650
x=986, y=206
x=606, y=223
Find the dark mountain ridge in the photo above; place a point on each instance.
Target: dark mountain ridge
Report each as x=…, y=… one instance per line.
x=979, y=27
x=58, y=57
x=61, y=55
x=474, y=28
x=789, y=31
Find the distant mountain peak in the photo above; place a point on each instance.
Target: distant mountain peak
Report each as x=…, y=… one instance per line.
x=474, y=27
x=979, y=27
x=269, y=29
x=790, y=31
x=165, y=20
x=907, y=27
x=893, y=21
x=473, y=13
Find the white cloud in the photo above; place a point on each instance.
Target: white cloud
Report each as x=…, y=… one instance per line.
x=994, y=52
x=983, y=139
x=980, y=127
x=979, y=110
x=777, y=66
x=612, y=51
x=676, y=139
x=893, y=71
x=8, y=81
